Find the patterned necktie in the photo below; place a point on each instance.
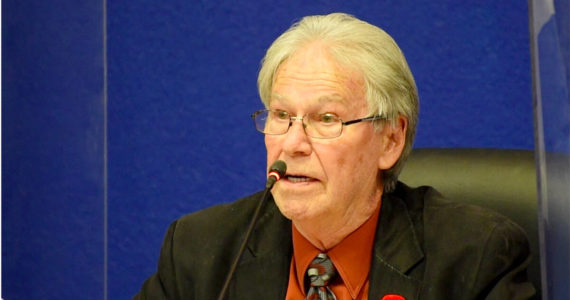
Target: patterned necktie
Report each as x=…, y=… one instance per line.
x=320, y=272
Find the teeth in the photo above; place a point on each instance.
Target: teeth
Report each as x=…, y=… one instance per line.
x=298, y=178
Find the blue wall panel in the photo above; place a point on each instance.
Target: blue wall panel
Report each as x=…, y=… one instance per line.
x=52, y=150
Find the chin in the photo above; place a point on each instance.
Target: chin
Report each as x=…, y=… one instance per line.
x=295, y=209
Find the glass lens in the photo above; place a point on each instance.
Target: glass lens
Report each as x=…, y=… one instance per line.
x=323, y=125
x=272, y=122
x=259, y=118
x=277, y=122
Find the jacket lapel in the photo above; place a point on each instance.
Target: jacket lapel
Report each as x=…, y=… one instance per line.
x=263, y=272
x=396, y=251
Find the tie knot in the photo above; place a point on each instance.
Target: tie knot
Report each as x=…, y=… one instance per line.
x=321, y=270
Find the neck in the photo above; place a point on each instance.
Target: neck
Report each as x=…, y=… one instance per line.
x=326, y=232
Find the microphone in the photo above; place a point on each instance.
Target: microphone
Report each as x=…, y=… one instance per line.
x=276, y=171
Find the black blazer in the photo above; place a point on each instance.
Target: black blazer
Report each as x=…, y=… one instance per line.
x=425, y=248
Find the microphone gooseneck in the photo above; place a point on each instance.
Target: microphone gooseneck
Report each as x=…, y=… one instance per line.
x=276, y=172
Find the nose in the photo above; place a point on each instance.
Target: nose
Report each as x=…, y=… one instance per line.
x=296, y=142
x=294, y=119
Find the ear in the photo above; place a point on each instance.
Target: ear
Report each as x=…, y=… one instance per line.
x=393, y=142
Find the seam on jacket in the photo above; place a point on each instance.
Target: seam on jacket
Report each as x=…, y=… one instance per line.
x=413, y=228
x=396, y=269
x=483, y=255
x=174, y=225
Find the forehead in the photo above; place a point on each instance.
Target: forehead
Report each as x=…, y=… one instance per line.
x=313, y=74
x=332, y=98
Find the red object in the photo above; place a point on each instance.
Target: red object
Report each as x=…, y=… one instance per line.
x=393, y=297
x=274, y=174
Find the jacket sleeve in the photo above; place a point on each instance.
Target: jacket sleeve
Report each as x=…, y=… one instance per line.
x=162, y=284
x=502, y=268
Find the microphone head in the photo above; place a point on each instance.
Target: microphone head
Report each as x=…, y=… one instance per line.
x=279, y=166
x=276, y=171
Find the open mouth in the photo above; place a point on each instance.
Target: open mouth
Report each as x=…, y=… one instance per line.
x=296, y=178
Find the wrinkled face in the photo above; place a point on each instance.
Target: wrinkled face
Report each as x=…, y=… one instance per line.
x=325, y=177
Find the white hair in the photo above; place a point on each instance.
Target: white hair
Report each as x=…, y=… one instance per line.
x=389, y=85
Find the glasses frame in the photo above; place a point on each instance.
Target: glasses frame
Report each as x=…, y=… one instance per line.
x=302, y=119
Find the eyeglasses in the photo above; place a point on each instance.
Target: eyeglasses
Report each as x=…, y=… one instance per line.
x=320, y=126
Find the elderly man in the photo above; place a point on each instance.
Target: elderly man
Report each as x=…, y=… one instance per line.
x=341, y=111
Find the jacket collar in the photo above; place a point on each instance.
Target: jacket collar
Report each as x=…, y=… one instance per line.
x=268, y=252
x=397, y=250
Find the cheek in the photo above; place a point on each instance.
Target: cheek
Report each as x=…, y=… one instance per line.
x=354, y=162
x=357, y=166
x=272, y=146
x=341, y=161
x=356, y=158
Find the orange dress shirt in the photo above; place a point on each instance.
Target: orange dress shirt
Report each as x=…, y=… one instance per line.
x=351, y=258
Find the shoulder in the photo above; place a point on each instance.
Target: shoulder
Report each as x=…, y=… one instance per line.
x=466, y=221
x=456, y=229
x=467, y=246
x=215, y=223
x=452, y=216
x=197, y=247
